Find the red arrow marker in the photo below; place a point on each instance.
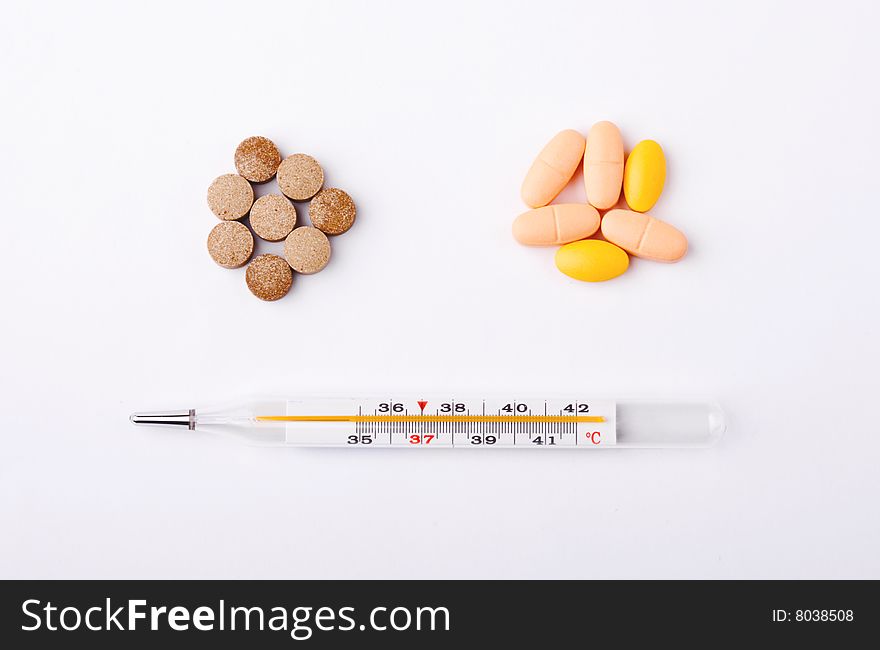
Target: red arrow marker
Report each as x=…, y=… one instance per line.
x=422, y=405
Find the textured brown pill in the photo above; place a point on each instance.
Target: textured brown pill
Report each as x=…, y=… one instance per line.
x=307, y=250
x=300, y=177
x=230, y=244
x=257, y=159
x=273, y=217
x=230, y=197
x=332, y=211
x=269, y=277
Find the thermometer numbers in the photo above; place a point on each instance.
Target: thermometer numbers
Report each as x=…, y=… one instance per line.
x=432, y=421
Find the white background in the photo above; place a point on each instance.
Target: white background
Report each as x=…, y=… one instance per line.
x=117, y=116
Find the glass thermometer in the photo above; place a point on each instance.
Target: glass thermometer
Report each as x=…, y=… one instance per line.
x=452, y=421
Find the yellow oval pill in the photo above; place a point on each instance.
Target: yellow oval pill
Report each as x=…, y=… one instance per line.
x=644, y=176
x=591, y=260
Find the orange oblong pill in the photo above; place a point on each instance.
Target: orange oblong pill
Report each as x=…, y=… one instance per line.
x=553, y=168
x=553, y=225
x=603, y=165
x=644, y=236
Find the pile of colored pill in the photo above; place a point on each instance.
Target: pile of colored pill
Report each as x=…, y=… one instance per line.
x=273, y=217
x=625, y=232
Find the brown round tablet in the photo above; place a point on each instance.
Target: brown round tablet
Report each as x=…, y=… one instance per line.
x=230, y=197
x=273, y=217
x=269, y=277
x=332, y=211
x=307, y=250
x=230, y=244
x=300, y=177
x=257, y=159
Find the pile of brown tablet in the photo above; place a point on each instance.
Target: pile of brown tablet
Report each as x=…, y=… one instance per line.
x=273, y=217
